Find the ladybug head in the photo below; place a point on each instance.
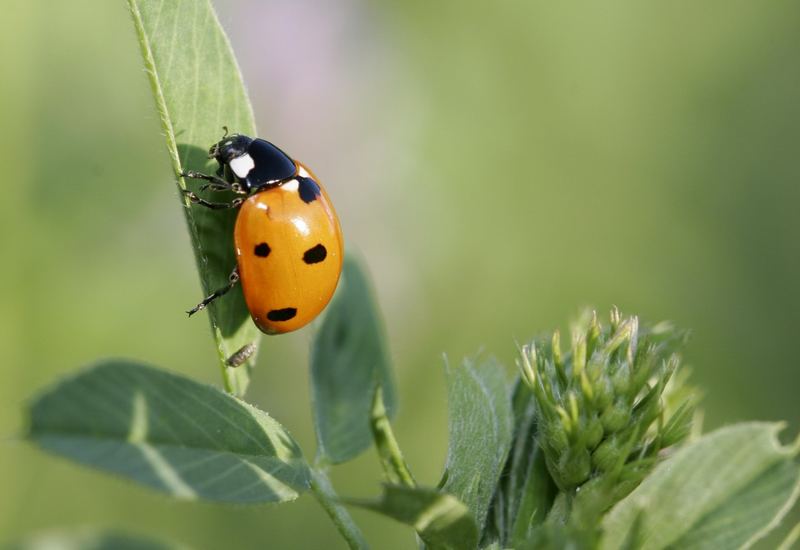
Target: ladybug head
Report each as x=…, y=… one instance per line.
x=229, y=148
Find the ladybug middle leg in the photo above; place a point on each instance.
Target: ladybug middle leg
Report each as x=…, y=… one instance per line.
x=232, y=280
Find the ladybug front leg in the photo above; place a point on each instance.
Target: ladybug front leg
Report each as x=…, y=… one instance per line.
x=232, y=280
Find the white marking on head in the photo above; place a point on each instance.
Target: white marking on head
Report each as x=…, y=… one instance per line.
x=291, y=185
x=242, y=165
x=303, y=172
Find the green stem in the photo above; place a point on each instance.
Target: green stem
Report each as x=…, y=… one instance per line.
x=323, y=491
x=388, y=449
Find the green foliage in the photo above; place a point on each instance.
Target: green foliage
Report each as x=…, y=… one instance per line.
x=791, y=539
x=481, y=427
x=538, y=467
x=725, y=490
x=601, y=407
x=165, y=431
x=526, y=491
x=441, y=520
x=198, y=89
x=349, y=360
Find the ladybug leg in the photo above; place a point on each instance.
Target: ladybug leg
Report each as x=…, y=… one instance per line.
x=235, y=203
x=216, y=183
x=200, y=176
x=232, y=280
x=232, y=187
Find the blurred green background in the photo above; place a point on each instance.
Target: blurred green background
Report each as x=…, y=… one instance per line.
x=499, y=165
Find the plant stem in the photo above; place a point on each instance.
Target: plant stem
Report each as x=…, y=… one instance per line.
x=323, y=491
x=388, y=449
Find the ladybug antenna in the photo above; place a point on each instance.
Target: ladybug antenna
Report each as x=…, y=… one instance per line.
x=226, y=132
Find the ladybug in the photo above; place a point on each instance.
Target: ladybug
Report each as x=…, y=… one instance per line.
x=287, y=237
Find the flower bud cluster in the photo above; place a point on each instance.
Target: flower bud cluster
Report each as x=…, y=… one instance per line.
x=601, y=406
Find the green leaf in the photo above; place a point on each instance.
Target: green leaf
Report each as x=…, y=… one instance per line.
x=526, y=490
x=725, y=490
x=198, y=89
x=791, y=539
x=89, y=539
x=167, y=432
x=480, y=426
x=349, y=360
x=441, y=520
x=531, y=489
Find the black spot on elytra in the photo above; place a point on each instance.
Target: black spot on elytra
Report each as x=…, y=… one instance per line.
x=262, y=250
x=308, y=189
x=282, y=314
x=315, y=254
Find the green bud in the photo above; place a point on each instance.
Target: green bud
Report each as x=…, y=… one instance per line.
x=615, y=319
x=554, y=436
x=603, y=392
x=620, y=337
x=616, y=416
x=588, y=425
x=598, y=364
x=593, y=432
x=558, y=360
x=587, y=389
x=621, y=379
x=574, y=466
x=607, y=455
x=645, y=368
x=526, y=365
x=578, y=355
x=592, y=335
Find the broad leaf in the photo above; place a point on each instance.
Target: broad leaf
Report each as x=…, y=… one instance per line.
x=441, y=520
x=725, y=490
x=791, y=539
x=167, y=432
x=480, y=426
x=198, y=90
x=349, y=360
x=86, y=539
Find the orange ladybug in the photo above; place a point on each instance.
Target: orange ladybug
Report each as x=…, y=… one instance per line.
x=288, y=241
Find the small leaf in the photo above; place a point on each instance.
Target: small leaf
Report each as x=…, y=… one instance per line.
x=526, y=490
x=441, y=520
x=725, y=490
x=198, y=89
x=349, y=360
x=167, y=432
x=480, y=426
x=89, y=539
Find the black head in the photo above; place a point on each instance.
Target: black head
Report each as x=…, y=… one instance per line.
x=230, y=147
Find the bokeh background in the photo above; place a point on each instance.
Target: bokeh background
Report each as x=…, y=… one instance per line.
x=498, y=165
